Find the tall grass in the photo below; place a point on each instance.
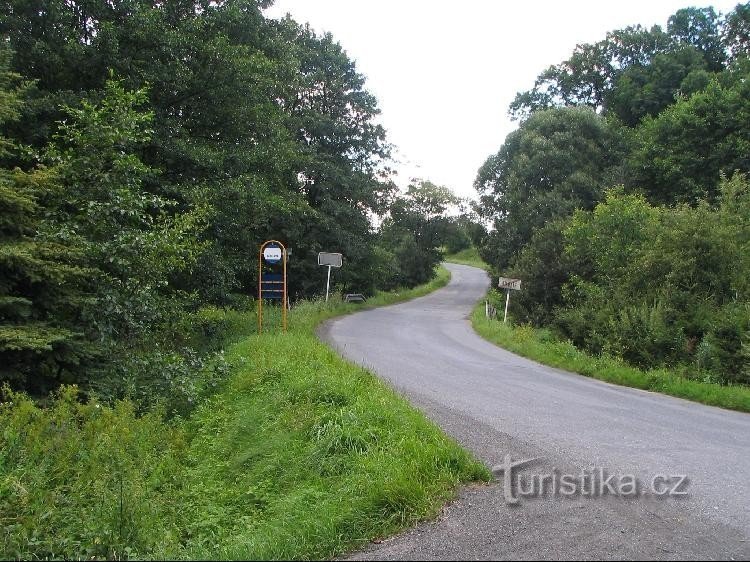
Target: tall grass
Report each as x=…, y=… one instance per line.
x=298, y=454
x=539, y=345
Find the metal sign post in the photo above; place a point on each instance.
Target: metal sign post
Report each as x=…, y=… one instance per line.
x=508, y=284
x=330, y=260
x=328, y=282
x=272, y=285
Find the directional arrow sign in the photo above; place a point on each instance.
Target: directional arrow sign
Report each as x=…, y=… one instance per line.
x=508, y=283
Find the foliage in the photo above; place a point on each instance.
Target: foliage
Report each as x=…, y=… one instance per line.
x=586, y=78
x=125, y=242
x=680, y=154
x=699, y=28
x=456, y=238
x=557, y=161
x=653, y=272
x=416, y=230
x=264, y=122
x=642, y=91
x=42, y=280
x=650, y=285
x=637, y=68
x=177, y=138
x=737, y=32
x=544, y=268
x=464, y=230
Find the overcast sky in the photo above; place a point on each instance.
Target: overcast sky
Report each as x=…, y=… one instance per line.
x=444, y=73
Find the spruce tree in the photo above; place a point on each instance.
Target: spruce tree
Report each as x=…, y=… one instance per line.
x=40, y=283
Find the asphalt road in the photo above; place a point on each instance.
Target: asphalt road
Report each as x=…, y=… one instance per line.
x=496, y=404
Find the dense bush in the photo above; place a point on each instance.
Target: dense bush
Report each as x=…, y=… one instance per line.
x=642, y=335
x=656, y=271
x=544, y=268
x=653, y=286
x=725, y=350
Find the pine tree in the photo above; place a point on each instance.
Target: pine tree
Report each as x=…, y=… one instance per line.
x=40, y=283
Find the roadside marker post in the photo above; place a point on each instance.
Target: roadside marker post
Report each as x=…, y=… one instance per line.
x=509, y=285
x=330, y=260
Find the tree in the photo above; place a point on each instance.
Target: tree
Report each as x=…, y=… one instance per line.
x=266, y=122
x=665, y=114
x=42, y=285
x=583, y=79
x=700, y=29
x=557, y=161
x=637, y=70
x=416, y=229
x=342, y=151
x=588, y=76
x=736, y=33
x=127, y=235
x=680, y=154
x=648, y=90
x=545, y=269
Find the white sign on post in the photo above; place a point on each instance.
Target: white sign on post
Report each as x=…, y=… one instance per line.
x=272, y=254
x=509, y=285
x=331, y=260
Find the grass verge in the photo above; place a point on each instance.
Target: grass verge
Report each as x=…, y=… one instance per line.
x=540, y=346
x=298, y=455
x=469, y=256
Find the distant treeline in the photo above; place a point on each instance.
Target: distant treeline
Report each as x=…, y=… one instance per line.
x=622, y=199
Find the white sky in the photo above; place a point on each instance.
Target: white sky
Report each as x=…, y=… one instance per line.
x=444, y=73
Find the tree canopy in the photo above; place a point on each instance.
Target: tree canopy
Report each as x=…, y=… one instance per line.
x=617, y=200
x=558, y=160
x=148, y=149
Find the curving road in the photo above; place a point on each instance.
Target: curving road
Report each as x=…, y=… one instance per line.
x=496, y=404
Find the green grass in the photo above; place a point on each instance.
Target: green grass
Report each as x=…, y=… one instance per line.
x=299, y=454
x=540, y=346
x=469, y=256
x=336, y=307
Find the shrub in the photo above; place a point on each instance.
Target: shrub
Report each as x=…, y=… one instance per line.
x=641, y=336
x=725, y=351
x=172, y=379
x=85, y=480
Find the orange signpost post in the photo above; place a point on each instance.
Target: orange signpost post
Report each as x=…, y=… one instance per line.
x=272, y=286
